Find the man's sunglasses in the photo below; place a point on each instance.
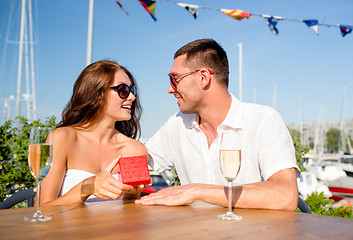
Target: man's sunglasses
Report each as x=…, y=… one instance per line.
x=124, y=90
x=172, y=78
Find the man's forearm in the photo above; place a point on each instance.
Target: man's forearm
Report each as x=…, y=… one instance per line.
x=279, y=192
x=256, y=195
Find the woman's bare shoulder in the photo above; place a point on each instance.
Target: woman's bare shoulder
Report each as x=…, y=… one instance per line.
x=65, y=134
x=135, y=148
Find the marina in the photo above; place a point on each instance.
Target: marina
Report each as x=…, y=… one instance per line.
x=325, y=173
x=39, y=96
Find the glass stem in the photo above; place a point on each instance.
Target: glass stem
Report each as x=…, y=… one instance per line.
x=230, y=194
x=38, y=212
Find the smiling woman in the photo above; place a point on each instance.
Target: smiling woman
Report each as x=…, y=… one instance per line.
x=99, y=125
x=85, y=105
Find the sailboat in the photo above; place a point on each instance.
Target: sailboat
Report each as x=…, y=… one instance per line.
x=333, y=170
x=328, y=171
x=346, y=164
x=342, y=187
x=26, y=56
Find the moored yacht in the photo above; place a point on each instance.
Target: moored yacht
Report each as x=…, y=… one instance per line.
x=307, y=183
x=341, y=188
x=346, y=163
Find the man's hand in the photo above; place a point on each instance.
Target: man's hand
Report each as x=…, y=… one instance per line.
x=280, y=192
x=172, y=196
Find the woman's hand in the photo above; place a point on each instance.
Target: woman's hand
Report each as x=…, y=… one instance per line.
x=108, y=187
x=135, y=192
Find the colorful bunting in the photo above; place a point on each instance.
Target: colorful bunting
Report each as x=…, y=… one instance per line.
x=312, y=23
x=272, y=22
x=149, y=6
x=122, y=8
x=240, y=15
x=190, y=8
x=345, y=30
x=236, y=14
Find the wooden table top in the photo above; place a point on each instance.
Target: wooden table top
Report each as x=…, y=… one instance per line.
x=125, y=220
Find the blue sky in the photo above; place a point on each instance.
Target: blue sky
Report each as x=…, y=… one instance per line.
x=296, y=61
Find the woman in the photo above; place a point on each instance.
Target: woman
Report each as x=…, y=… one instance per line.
x=98, y=125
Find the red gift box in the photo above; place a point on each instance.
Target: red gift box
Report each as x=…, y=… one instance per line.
x=134, y=170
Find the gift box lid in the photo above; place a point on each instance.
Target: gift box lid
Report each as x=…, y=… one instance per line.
x=134, y=170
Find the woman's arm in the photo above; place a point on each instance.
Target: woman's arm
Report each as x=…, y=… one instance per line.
x=51, y=185
x=103, y=185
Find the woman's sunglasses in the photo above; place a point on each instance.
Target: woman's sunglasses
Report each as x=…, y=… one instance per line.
x=124, y=90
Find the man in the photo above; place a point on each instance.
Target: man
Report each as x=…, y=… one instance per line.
x=190, y=140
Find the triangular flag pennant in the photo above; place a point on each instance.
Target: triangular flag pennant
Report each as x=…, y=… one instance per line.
x=190, y=8
x=122, y=8
x=192, y=11
x=313, y=24
x=345, y=30
x=272, y=22
x=236, y=14
x=149, y=6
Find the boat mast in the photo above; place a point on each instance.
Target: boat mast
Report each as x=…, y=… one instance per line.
x=19, y=72
x=319, y=136
x=24, y=43
x=90, y=32
x=301, y=129
x=34, y=106
x=27, y=95
x=342, y=125
x=345, y=141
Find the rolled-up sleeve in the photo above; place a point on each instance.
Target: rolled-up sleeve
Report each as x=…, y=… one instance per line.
x=276, y=149
x=159, y=149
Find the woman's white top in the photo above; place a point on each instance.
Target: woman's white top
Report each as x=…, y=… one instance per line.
x=75, y=176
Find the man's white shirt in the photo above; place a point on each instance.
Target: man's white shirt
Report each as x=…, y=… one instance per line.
x=267, y=146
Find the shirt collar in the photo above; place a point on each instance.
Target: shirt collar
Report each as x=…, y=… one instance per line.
x=234, y=116
x=232, y=120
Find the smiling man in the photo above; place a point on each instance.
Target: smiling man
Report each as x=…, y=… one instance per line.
x=190, y=140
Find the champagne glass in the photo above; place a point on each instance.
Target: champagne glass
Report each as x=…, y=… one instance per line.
x=40, y=153
x=230, y=161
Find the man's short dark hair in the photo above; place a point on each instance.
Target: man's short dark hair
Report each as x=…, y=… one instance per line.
x=209, y=54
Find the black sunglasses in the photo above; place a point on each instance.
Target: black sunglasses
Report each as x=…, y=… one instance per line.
x=124, y=90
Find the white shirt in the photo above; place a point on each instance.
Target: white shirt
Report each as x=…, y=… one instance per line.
x=267, y=146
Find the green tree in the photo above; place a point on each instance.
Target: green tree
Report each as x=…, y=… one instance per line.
x=300, y=151
x=14, y=171
x=333, y=137
x=295, y=134
x=320, y=205
x=311, y=143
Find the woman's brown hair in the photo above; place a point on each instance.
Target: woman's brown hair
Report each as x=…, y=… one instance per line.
x=88, y=99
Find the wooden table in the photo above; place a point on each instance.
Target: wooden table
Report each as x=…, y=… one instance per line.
x=126, y=220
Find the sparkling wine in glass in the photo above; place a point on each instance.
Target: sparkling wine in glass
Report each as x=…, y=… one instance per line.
x=230, y=161
x=40, y=153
